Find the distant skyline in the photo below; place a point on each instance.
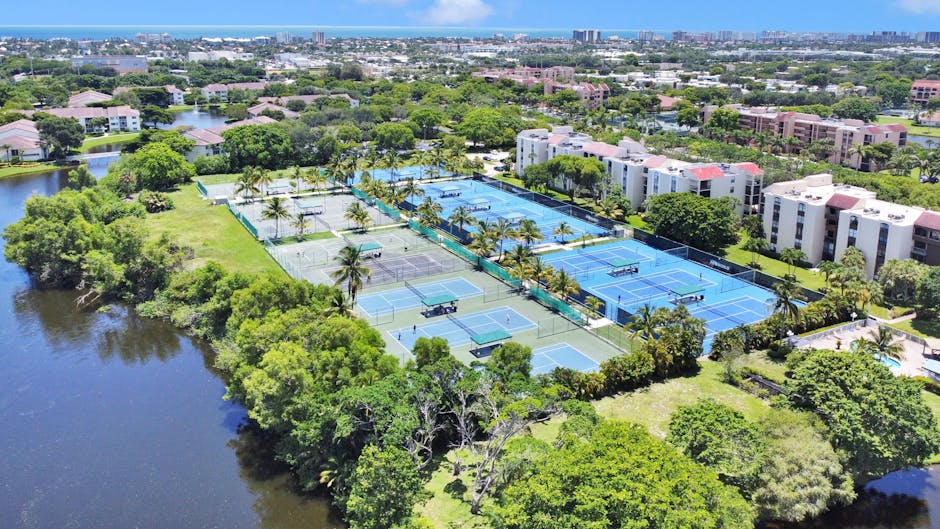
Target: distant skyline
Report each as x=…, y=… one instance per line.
x=690, y=15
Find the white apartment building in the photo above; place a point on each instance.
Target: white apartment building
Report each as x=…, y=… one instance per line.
x=122, y=118
x=640, y=174
x=823, y=219
x=20, y=139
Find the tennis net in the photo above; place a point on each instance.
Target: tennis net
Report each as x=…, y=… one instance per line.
x=462, y=325
x=414, y=289
x=646, y=281
x=391, y=273
x=726, y=316
x=597, y=259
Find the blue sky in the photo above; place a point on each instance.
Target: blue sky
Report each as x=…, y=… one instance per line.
x=810, y=15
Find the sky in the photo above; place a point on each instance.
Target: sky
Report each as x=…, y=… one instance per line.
x=692, y=15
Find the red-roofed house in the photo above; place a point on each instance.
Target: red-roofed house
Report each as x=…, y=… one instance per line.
x=593, y=96
x=20, y=139
x=924, y=90
x=209, y=141
x=258, y=109
x=666, y=102
x=88, y=97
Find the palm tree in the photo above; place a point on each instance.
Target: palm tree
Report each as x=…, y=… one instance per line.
x=784, y=303
x=300, y=223
x=828, y=268
x=562, y=230
x=856, y=149
x=351, y=271
x=263, y=177
x=539, y=270
x=594, y=304
x=297, y=174
x=565, y=285
x=529, y=232
x=884, y=345
x=358, y=215
x=481, y=245
x=501, y=230
x=340, y=305
x=315, y=178
x=276, y=210
x=519, y=255
x=334, y=169
x=792, y=256
x=412, y=189
x=645, y=322
x=393, y=162
x=429, y=213
x=755, y=245
x=247, y=184
x=460, y=217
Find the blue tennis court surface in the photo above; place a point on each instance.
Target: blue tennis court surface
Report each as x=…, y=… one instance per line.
x=546, y=359
x=490, y=204
x=458, y=329
x=415, y=172
x=662, y=280
x=410, y=298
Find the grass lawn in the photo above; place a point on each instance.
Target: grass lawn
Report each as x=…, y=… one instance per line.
x=106, y=140
x=17, y=170
x=212, y=232
x=637, y=221
x=916, y=130
x=180, y=108
x=449, y=505
x=920, y=327
x=805, y=277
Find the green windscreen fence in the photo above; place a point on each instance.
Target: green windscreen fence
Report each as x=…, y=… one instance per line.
x=427, y=232
x=244, y=220
x=202, y=189
x=388, y=210
x=361, y=194
x=554, y=303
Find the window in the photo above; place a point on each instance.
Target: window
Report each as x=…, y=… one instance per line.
x=801, y=207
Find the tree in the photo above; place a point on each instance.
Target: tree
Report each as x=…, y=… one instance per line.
x=879, y=420
x=719, y=437
x=855, y=108
x=801, y=476
x=351, y=270
x=153, y=114
x=620, y=476
x=705, y=223
x=460, y=217
x=528, y=232
x=266, y=146
x=785, y=298
x=429, y=351
x=510, y=362
x=426, y=118
x=898, y=278
x=300, y=223
x=828, y=268
x=724, y=119
x=793, y=257
x=562, y=231
x=429, y=213
x=481, y=125
x=928, y=291
x=755, y=245
x=275, y=210
x=393, y=136
x=157, y=167
x=688, y=117
x=564, y=284
x=60, y=134
x=383, y=488
x=247, y=185
x=881, y=344
x=81, y=177
x=644, y=323
x=358, y=215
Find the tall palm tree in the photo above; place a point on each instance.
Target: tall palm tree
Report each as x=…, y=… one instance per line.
x=501, y=230
x=429, y=213
x=412, y=189
x=784, y=303
x=646, y=322
x=351, y=271
x=539, y=270
x=276, y=210
x=316, y=178
x=755, y=245
x=300, y=223
x=828, y=268
x=340, y=305
x=263, y=177
x=884, y=345
x=358, y=215
x=247, y=185
x=393, y=162
x=460, y=217
x=856, y=149
x=528, y=232
x=562, y=231
x=792, y=256
x=518, y=255
x=334, y=169
x=481, y=245
x=565, y=285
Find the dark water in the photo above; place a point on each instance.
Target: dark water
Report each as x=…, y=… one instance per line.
x=197, y=119
x=112, y=420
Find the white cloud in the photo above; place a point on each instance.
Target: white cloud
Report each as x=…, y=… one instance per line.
x=454, y=12
x=921, y=7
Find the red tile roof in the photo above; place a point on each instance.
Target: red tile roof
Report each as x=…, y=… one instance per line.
x=926, y=83
x=555, y=139
x=841, y=201
x=667, y=102
x=707, y=172
x=929, y=220
x=655, y=161
x=751, y=168
x=601, y=149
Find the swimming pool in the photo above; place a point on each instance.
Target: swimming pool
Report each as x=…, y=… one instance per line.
x=891, y=363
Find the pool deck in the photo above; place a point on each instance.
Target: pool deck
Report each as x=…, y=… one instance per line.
x=912, y=358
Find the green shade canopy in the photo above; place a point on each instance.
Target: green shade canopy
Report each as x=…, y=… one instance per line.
x=490, y=337
x=369, y=246
x=309, y=204
x=686, y=290
x=513, y=217
x=623, y=263
x=440, y=299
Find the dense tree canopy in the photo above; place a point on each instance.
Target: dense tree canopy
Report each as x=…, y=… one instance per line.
x=266, y=146
x=705, y=223
x=61, y=134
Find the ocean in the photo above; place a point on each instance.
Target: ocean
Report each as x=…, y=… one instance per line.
x=195, y=32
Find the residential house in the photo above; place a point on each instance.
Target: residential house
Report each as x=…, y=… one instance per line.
x=260, y=108
x=924, y=90
x=120, y=63
x=88, y=97
x=220, y=91
x=209, y=141
x=122, y=118
x=174, y=93
x=20, y=139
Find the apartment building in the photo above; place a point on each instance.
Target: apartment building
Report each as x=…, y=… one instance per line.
x=122, y=118
x=309, y=99
x=220, y=91
x=924, y=90
x=810, y=127
x=823, y=219
x=587, y=36
x=20, y=140
x=594, y=96
x=640, y=174
x=119, y=63
x=526, y=75
x=260, y=108
x=209, y=142
x=174, y=93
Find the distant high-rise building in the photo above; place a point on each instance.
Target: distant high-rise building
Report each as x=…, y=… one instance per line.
x=520, y=36
x=589, y=36
x=724, y=36
x=283, y=37
x=153, y=38
x=929, y=37
x=644, y=36
x=678, y=36
x=318, y=38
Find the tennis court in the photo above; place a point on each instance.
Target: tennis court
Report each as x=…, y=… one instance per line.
x=278, y=186
x=414, y=172
x=412, y=296
x=603, y=258
x=490, y=204
x=321, y=213
x=546, y=359
x=644, y=288
x=461, y=330
x=731, y=313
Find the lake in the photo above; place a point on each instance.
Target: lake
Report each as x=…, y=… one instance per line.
x=113, y=420
x=197, y=119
